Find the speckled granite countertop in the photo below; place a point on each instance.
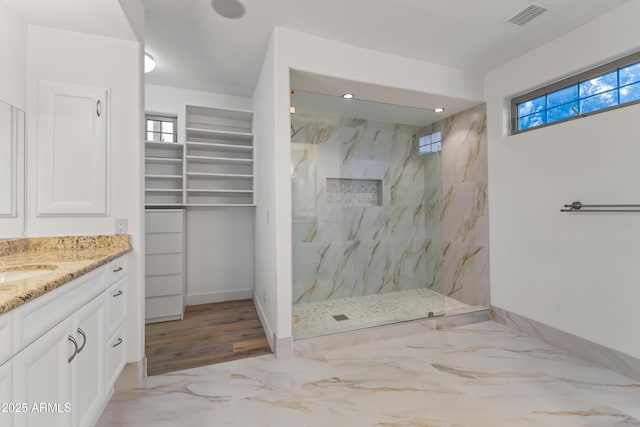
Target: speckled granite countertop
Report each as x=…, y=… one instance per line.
x=72, y=256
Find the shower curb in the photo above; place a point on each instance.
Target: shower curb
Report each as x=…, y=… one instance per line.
x=467, y=316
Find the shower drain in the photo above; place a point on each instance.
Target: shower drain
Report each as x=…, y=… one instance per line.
x=340, y=317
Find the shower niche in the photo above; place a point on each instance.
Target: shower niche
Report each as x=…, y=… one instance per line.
x=353, y=192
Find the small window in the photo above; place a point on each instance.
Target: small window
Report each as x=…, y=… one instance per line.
x=612, y=85
x=161, y=128
x=430, y=143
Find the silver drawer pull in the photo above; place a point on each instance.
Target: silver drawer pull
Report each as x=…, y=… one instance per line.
x=75, y=348
x=117, y=294
x=118, y=343
x=118, y=269
x=99, y=108
x=84, y=337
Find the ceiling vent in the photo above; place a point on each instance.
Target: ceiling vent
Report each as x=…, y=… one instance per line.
x=533, y=10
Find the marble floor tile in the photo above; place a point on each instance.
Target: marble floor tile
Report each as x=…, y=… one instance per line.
x=483, y=374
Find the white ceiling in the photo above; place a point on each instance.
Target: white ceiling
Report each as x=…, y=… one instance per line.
x=100, y=17
x=196, y=48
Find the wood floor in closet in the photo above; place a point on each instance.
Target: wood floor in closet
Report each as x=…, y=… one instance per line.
x=209, y=333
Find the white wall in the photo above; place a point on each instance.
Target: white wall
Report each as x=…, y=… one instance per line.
x=219, y=240
x=13, y=51
x=13, y=90
x=578, y=273
x=266, y=259
x=294, y=50
x=64, y=56
x=219, y=254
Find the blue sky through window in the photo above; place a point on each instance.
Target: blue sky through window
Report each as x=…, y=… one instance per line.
x=613, y=88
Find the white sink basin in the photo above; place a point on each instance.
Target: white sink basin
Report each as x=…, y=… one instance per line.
x=22, y=272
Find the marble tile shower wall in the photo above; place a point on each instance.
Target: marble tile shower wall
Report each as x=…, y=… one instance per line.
x=465, y=220
x=356, y=247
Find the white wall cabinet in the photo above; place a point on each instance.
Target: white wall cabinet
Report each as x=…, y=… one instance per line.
x=72, y=149
x=69, y=366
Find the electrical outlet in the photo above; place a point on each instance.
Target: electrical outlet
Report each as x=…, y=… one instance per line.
x=121, y=225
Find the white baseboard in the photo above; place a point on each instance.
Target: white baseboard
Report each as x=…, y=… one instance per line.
x=265, y=323
x=219, y=296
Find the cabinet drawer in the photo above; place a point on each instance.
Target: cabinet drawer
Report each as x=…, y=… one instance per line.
x=164, y=243
x=117, y=269
x=164, y=306
x=158, y=286
x=32, y=320
x=164, y=221
x=6, y=337
x=157, y=265
x=115, y=356
x=116, y=306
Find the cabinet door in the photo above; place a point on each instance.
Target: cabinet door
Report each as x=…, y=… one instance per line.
x=6, y=391
x=42, y=379
x=89, y=367
x=72, y=132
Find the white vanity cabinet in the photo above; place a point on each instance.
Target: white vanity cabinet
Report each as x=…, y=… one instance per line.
x=42, y=375
x=88, y=368
x=67, y=364
x=6, y=391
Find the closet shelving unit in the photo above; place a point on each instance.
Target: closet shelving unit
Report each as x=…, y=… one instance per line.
x=164, y=174
x=165, y=231
x=218, y=158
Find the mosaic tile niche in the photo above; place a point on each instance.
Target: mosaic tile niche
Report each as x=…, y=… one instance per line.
x=366, y=209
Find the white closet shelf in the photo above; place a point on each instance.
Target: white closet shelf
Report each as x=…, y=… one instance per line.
x=162, y=160
x=161, y=205
x=220, y=205
x=163, y=176
x=228, y=192
x=208, y=133
x=218, y=175
x=163, y=190
x=230, y=160
x=171, y=145
x=220, y=147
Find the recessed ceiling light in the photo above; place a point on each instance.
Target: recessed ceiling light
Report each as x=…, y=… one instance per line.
x=231, y=9
x=438, y=110
x=149, y=63
x=348, y=95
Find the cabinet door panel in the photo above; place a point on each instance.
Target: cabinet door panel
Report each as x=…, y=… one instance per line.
x=72, y=149
x=6, y=391
x=89, y=366
x=116, y=356
x=6, y=337
x=42, y=377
